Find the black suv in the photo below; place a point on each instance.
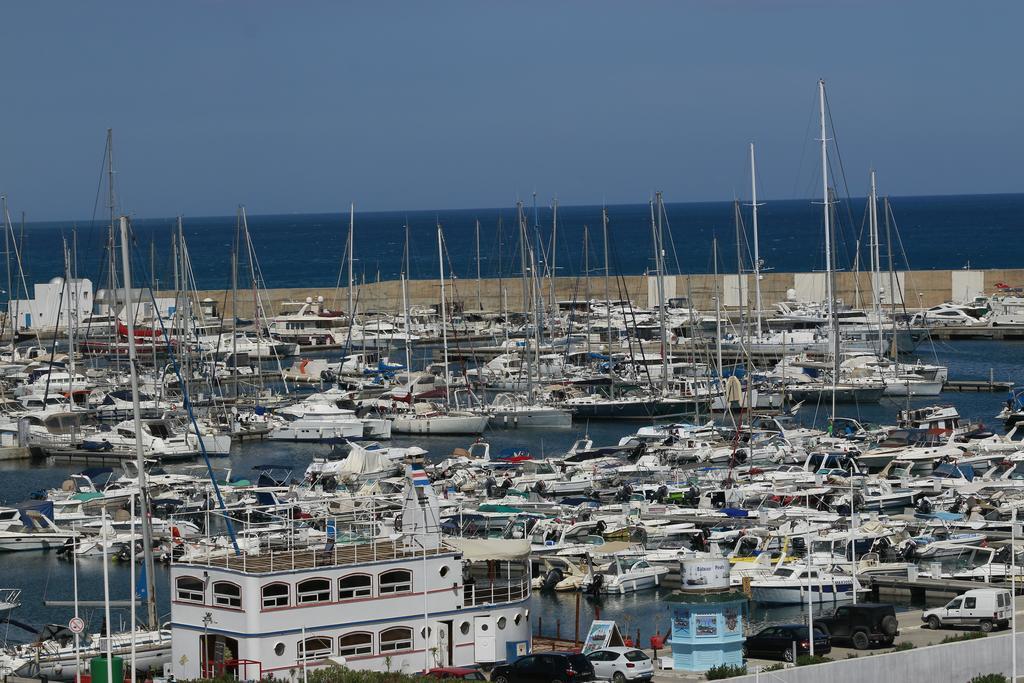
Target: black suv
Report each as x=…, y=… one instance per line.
x=861, y=625
x=547, y=667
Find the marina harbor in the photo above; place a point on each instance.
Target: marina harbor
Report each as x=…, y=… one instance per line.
x=660, y=342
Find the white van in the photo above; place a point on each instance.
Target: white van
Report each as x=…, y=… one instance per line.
x=986, y=608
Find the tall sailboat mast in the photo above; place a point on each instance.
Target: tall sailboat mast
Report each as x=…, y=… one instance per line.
x=479, y=297
x=586, y=275
x=444, y=315
x=829, y=294
x=659, y=260
x=140, y=454
x=718, y=316
x=757, y=249
x=525, y=265
x=72, y=317
x=351, y=293
x=825, y=199
x=405, y=300
x=554, y=256
x=875, y=261
x=7, y=261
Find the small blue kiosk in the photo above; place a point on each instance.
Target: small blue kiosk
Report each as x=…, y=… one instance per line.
x=707, y=617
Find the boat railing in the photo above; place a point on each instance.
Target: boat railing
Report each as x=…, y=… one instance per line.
x=495, y=593
x=264, y=561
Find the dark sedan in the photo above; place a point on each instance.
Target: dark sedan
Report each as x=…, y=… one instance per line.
x=776, y=642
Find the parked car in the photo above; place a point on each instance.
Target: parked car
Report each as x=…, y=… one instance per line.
x=861, y=625
x=460, y=672
x=776, y=642
x=548, y=667
x=985, y=608
x=620, y=664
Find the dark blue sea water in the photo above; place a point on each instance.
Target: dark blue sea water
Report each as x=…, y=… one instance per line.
x=307, y=250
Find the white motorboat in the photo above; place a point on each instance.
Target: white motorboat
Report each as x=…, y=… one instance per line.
x=625, y=574
x=165, y=438
x=31, y=528
x=795, y=584
x=319, y=422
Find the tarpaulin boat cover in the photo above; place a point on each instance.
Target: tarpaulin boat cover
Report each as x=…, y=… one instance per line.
x=481, y=549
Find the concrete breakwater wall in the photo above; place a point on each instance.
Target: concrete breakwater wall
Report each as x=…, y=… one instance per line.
x=913, y=289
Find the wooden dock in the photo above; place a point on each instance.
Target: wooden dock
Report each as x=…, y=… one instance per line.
x=999, y=332
x=977, y=385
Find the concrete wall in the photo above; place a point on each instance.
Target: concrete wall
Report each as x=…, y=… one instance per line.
x=953, y=663
x=921, y=287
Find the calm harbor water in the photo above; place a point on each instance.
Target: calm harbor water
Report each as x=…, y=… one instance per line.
x=306, y=250
x=45, y=576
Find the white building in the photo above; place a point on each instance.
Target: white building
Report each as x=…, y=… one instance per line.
x=41, y=313
x=409, y=604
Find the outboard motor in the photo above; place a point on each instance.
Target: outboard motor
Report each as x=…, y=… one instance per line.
x=661, y=494
x=552, y=579
x=624, y=494
x=489, y=485
x=595, y=585
x=924, y=506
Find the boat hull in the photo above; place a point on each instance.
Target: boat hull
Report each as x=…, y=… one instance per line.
x=795, y=595
x=554, y=419
x=443, y=424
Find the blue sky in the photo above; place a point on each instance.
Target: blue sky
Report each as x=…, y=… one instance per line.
x=305, y=106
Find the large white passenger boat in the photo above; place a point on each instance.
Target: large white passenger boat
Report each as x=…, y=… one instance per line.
x=413, y=602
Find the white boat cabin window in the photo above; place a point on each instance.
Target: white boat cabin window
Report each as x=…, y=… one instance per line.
x=355, y=586
x=395, y=581
x=396, y=639
x=353, y=644
x=189, y=589
x=315, y=648
x=313, y=590
x=227, y=594
x=276, y=595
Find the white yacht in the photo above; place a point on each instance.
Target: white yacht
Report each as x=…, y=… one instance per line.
x=795, y=584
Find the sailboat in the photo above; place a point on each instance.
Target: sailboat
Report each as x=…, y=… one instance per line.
x=438, y=418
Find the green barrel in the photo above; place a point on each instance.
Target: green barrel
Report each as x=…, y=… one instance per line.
x=98, y=669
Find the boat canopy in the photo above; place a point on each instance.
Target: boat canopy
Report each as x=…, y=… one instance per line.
x=482, y=549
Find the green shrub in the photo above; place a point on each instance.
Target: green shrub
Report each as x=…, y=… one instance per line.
x=990, y=678
x=807, y=660
x=966, y=635
x=900, y=647
x=721, y=671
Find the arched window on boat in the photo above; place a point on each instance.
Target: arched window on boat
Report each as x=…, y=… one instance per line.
x=352, y=644
x=355, y=586
x=275, y=595
x=189, y=589
x=313, y=590
x=395, y=581
x=227, y=594
x=312, y=649
x=396, y=639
